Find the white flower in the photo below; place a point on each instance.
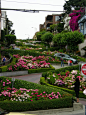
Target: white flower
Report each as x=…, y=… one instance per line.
x=20, y=100
x=23, y=99
x=72, y=86
x=84, y=91
x=54, y=75
x=16, y=99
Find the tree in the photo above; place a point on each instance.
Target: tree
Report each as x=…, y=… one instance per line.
x=39, y=34
x=72, y=39
x=10, y=39
x=8, y=29
x=2, y=35
x=52, y=27
x=60, y=27
x=47, y=37
x=76, y=4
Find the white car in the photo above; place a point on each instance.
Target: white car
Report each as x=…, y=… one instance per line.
x=65, y=56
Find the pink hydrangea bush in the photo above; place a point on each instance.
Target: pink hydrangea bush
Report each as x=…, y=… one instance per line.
x=23, y=94
x=30, y=62
x=66, y=79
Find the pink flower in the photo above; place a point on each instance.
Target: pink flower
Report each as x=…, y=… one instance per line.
x=3, y=84
x=7, y=80
x=50, y=98
x=44, y=92
x=38, y=95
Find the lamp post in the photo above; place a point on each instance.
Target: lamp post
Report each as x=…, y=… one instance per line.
x=28, y=35
x=13, y=79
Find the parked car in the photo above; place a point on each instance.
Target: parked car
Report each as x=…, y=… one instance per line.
x=16, y=48
x=65, y=56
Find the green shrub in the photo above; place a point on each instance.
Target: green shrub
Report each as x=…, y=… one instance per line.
x=3, y=69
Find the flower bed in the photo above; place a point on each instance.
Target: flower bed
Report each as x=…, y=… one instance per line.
x=30, y=62
x=64, y=79
x=24, y=94
x=30, y=95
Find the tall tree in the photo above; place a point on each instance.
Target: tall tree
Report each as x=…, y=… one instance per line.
x=8, y=29
x=76, y=4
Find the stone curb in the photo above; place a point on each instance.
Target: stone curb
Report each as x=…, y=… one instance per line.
x=14, y=73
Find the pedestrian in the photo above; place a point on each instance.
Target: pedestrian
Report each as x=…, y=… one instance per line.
x=62, y=63
x=3, y=60
x=70, y=63
x=76, y=88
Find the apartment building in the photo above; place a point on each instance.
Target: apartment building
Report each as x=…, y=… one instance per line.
x=3, y=20
x=50, y=20
x=0, y=24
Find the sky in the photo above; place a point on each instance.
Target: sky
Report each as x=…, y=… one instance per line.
x=26, y=24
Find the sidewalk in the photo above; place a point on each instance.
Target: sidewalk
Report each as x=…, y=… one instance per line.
x=62, y=111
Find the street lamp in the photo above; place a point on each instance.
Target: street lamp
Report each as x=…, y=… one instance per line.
x=28, y=35
x=13, y=79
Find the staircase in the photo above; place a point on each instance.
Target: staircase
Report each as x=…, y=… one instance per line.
x=82, y=52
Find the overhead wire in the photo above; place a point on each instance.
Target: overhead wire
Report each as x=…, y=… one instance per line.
x=26, y=10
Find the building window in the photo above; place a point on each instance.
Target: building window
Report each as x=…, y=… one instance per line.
x=82, y=27
x=57, y=18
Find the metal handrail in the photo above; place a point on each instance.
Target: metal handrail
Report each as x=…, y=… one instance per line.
x=6, y=62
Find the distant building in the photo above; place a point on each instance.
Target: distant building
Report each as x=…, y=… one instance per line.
x=50, y=20
x=3, y=20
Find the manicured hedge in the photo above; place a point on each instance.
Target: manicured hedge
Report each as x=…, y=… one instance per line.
x=36, y=105
x=64, y=102
x=40, y=69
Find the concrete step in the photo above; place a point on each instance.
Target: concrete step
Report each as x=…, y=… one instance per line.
x=77, y=106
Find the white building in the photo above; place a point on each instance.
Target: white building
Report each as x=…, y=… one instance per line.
x=3, y=20
x=0, y=24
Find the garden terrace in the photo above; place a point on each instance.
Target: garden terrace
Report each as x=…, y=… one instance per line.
x=42, y=97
